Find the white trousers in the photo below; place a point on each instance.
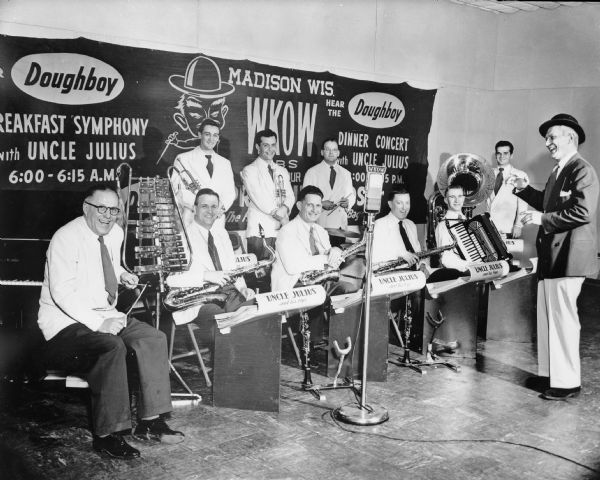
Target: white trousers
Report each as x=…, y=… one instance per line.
x=558, y=331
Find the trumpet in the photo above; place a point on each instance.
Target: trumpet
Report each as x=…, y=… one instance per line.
x=186, y=297
x=398, y=264
x=280, y=195
x=189, y=182
x=310, y=277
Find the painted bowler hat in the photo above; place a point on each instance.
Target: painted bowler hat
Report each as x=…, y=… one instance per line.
x=203, y=79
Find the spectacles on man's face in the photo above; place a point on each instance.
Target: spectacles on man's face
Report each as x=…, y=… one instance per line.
x=102, y=209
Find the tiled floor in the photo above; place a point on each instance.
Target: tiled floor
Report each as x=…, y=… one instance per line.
x=481, y=423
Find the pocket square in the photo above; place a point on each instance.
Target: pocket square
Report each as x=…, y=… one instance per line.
x=565, y=194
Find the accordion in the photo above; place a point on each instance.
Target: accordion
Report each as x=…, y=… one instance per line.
x=478, y=239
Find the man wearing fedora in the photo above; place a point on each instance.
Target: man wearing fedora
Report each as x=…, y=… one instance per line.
x=567, y=253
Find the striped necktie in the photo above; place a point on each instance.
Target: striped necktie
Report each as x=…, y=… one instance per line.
x=312, y=239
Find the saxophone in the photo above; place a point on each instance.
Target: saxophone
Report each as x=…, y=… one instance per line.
x=182, y=298
x=398, y=264
x=311, y=277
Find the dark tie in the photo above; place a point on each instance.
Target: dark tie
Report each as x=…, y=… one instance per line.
x=110, y=279
x=313, y=242
x=212, y=251
x=552, y=179
x=209, y=165
x=332, y=177
x=499, y=181
x=405, y=239
x=271, y=172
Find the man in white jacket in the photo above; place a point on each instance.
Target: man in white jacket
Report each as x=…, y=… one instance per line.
x=504, y=207
x=336, y=184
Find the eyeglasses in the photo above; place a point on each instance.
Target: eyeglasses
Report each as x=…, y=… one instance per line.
x=114, y=211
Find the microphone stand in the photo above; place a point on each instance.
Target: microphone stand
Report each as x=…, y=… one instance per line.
x=363, y=413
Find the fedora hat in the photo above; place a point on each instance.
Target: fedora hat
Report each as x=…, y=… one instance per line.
x=566, y=120
x=203, y=79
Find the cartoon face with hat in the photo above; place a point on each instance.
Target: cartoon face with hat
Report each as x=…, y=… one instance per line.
x=203, y=96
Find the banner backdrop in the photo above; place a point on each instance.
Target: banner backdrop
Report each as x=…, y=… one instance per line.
x=72, y=110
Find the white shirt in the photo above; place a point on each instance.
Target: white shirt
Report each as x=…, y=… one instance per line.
x=73, y=289
x=504, y=207
x=294, y=255
x=449, y=258
x=201, y=263
x=342, y=188
x=195, y=162
x=387, y=241
x=263, y=200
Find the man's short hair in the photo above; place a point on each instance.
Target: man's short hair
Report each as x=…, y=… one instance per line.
x=505, y=143
x=267, y=133
x=205, y=191
x=454, y=186
x=309, y=190
x=208, y=122
x=327, y=140
x=100, y=187
x=399, y=189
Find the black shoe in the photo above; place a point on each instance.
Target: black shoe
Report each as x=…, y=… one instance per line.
x=115, y=446
x=560, y=393
x=539, y=384
x=157, y=429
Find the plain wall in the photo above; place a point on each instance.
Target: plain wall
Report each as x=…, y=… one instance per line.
x=498, y=76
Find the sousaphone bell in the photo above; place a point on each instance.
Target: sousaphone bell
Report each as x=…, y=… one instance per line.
x=470, y=171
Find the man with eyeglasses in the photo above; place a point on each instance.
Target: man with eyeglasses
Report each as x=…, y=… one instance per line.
x=87, y=336
x=202, y=167
x=336, y=184
x=505, y=208
x=566, y=212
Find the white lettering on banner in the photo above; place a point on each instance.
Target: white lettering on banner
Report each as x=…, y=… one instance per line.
x=265, y=81
x=487, y=271
x=398, y=282
x=353, y=139
x=399, y=144
x=376, y=110
x=281, y=117
x=67, y=78
x=109, y=125
x=301, y=298
x=32, y=123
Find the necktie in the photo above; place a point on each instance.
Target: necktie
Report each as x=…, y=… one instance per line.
x=209, y=165
x=405, y=239
x=499, y=180
x=332, y=177
x=110, y=279
x=271, y=172
x=212, y=251
x=552, y=179
x=313, y=242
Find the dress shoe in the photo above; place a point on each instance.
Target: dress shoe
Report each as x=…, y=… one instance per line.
x=560, y=393
x=115, y=446
x=157, y=429
x=539, y=384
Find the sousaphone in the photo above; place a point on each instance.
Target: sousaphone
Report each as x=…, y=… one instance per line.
x=470, y=171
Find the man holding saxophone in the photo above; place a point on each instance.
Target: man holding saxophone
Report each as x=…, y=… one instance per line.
x=270, y=192
x=212, y=258
x=200, y=168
